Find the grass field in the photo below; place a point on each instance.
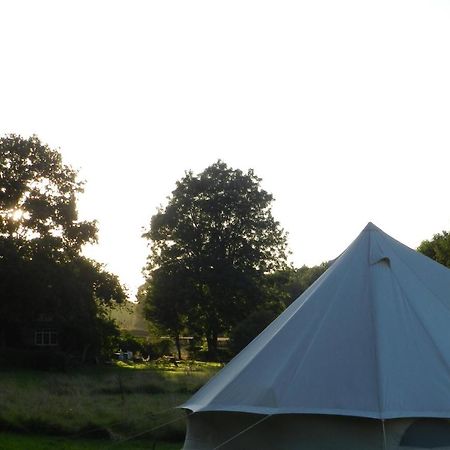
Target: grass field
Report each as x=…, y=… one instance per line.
x=122, y=407
x=12, y=441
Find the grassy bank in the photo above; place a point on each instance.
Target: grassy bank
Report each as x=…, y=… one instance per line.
x=110, y=403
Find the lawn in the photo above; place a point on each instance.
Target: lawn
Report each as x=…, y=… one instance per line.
x=12, y=441
x=122, y=407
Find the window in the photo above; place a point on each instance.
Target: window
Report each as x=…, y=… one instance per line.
x=45, y=337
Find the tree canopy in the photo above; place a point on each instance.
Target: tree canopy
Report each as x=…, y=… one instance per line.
x=438, y=248
x=38, y=198
x=211, y=248
x=42, y=270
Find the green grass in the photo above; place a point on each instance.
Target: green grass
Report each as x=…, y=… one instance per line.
x=110, y=403
x=9, y=441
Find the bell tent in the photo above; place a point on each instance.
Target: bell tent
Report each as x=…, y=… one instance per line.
x=359, y=361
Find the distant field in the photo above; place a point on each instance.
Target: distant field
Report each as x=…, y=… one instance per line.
x=104, y=405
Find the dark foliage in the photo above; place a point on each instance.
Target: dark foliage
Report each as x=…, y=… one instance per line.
x=249, y=328
x=293, y=282
x=437, y=248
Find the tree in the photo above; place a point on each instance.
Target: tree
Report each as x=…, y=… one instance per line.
x=215, y=240
x=41, y=238
x=438, y=248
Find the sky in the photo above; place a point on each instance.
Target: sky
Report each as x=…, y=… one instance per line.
x=342, y=108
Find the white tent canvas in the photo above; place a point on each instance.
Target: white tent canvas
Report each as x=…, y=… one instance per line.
x=370, y=339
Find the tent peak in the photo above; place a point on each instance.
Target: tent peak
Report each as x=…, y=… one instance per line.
x=371, y=227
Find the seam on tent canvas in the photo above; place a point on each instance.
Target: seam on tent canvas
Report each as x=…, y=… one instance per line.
x=373, y=315
x=322, y=321
x=242, y=432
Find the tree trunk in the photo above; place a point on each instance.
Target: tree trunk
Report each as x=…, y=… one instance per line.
x=211, y=339
x=178, y=345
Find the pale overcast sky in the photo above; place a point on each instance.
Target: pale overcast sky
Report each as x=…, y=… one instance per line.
x=342, y=107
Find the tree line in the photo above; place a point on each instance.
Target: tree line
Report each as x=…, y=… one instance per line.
x=217, y=263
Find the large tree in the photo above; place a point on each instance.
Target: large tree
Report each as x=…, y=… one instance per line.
x=41, y=238
x=211, y=249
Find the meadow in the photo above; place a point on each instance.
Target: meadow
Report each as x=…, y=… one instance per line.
x=120, y=407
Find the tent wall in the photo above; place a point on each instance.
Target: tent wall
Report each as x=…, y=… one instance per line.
x=207, y=430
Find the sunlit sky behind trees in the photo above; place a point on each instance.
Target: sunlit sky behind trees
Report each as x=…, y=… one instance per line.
x=341, y=107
